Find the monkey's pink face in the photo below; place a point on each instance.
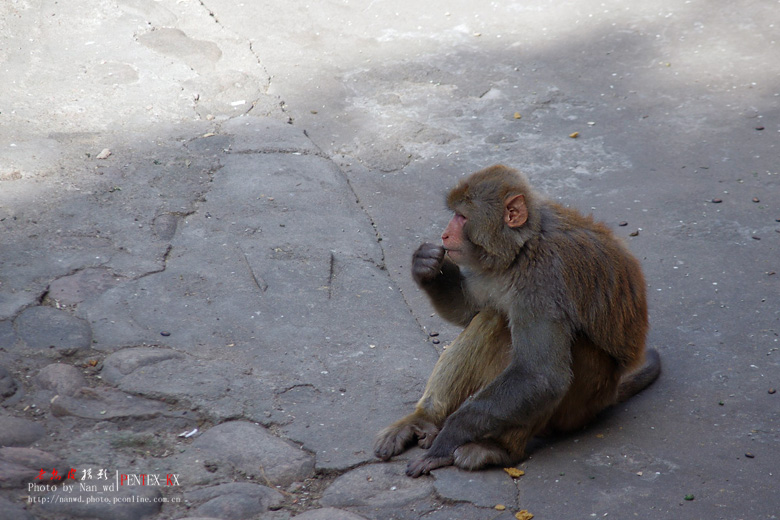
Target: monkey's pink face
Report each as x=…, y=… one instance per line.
x=453, y=238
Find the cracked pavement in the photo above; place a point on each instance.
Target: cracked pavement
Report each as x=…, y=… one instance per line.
x=207, y=211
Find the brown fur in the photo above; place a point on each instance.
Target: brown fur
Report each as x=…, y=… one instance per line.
x=555, y=318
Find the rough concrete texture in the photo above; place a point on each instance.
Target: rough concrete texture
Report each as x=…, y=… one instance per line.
x=207, y=210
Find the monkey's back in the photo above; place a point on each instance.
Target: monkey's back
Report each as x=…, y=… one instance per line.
x=602, y=278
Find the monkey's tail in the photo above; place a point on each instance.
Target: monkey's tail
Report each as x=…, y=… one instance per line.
x=636, y=381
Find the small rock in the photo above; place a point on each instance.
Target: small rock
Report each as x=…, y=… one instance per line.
x=749, y=455
x=44, y=328
x=19, y=432
x=8, y=385
x=87, y=283
x=19, y=466
x=104, y=154
x=121, y=363
x=7, y=334
x=106, y=404
x=717, y=201
x=623, y=224
x=253, y=450
x=65, y=380
x=377, y=486
x=165, y=225
x=235, y=501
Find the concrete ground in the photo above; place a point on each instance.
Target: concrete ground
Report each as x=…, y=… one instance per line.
x=208, y=208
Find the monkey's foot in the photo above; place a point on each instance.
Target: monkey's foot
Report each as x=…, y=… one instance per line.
x=398, y=436
x=425, y=465
x=477, y=455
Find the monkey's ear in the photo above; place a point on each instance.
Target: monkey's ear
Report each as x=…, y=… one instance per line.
x=515, y=211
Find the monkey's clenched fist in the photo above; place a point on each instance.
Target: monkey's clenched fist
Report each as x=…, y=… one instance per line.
x=426, y=263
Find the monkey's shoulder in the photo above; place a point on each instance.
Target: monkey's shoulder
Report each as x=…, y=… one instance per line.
x=569, y=221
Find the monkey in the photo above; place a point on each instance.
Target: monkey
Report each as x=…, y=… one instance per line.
x=554, y=311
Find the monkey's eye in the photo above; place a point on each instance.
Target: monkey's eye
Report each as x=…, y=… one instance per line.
x=458, y=217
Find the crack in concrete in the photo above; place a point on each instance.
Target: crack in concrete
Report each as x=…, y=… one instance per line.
x=291, y=151
x=331, y=275
x=165, y=257
x=283, y=391
x=211, y=13
x=260, y=283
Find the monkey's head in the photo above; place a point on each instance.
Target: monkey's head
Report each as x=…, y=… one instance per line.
x=495, y=214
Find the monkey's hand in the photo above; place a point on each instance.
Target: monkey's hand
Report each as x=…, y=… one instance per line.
x=426, y=263
x=398, y=436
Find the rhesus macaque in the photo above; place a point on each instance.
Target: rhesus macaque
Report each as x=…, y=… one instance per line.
x=555, y=319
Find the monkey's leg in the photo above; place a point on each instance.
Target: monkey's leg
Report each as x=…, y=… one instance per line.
x=594, y=387
x=475, y=358
x=478, y=455
x=507, y=449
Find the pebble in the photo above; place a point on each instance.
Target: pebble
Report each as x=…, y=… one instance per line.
x=19, y=432
x=235, y=501
x=49, y=328
x=772, y=390
x=623, y=224
x=61, y=378
x=106, y=404
x=105, y=153
x=749, y=455
x=8, y=385
x=252, y=450
x=8, y=334
x=164, y=226
x=121, y=363
x=717, y=201
x=87, y=283
x=19, y=466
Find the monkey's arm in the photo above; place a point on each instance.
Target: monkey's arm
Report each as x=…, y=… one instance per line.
x=442, y=281
x=527, y=390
